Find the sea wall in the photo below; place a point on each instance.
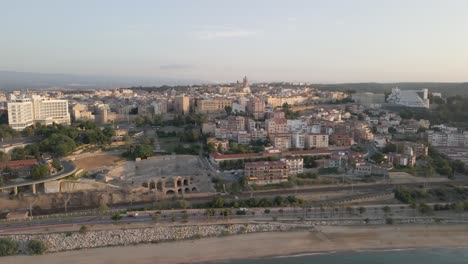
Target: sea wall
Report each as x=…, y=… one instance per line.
x=92, y=239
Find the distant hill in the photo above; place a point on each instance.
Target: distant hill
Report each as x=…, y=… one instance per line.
x=11, y=80
x=447, y=89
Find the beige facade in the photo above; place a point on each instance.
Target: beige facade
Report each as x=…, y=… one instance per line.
x=266, y=172
x=316, y=140
x=215, y=105
x=295, y=165
x=182, y=105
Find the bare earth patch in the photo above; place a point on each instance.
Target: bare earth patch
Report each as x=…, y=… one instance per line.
x=96, y=161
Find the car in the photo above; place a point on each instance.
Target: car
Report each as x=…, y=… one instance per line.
x=133, y=214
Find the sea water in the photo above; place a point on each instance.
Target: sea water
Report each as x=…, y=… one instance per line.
x=394, y=256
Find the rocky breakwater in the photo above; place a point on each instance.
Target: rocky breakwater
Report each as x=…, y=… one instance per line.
x=92, y=239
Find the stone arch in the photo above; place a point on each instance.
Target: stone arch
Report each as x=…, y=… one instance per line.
x=152, y=185
x=179, y=191
x=187, y=189
x=145, y=184
x=169, y=184
x=179, y=182
x=170, y=192
x=159, y=185
x=194, y=189
x=186, y=182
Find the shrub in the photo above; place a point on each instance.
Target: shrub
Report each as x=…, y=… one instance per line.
x=116, y=217
x=8, y=247
x=83, y=229
x=37, y=247
x=241, y=212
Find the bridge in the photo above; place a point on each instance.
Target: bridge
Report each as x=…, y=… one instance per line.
x=68, y=169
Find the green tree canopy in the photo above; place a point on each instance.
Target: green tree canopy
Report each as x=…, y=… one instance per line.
x=40, y=172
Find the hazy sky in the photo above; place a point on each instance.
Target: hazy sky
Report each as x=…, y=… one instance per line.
x=216, y=40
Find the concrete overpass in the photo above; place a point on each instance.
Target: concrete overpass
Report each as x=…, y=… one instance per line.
x=68, y=169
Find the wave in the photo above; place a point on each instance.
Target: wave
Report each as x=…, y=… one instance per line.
x=306, y=254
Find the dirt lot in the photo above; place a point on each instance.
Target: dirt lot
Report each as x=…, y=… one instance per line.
x=96, y=161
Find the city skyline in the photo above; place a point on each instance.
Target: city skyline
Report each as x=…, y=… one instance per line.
x=314, y=41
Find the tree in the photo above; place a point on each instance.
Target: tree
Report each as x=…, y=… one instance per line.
x=218, y=202
x=66, y=199
x=83, y=229
x=362, y=210
x=220, y=148
x=211, y=147
x=390, y=147
x=279, y=200
x=378, y=158
x=228, y=109
x=4, y=156
x=103, y=208
x=8, y=247
x=143, y=151
x=37, y=247
x=59, y=144
x=406, y=114
x=18, y=154
x=386, y=209
x=116, y=217
x=424, y=209
x=108, y=132
x=56, y=164
x=33, y=150
x=392, y=130
x=7, y=170
x=185, y=216
x=40, y=172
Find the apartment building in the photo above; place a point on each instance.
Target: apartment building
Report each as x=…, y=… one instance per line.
x=182, y=105
x=316, y=141
x=281, y=141
x=26, y=111
x=342, y=139
x=447, y=138
x=212, y=105
x=81, y=112
x=298, y=140
x=236, y=123
x=256, y=107
x=243, y=138
x=259, y=134
x=276, y=125
x=266, y=172
x=295, y=165
x=160, y=107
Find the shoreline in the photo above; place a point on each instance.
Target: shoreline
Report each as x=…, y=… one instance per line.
x=323, y=240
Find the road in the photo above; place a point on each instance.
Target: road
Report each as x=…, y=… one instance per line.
x=67, y=170
x=199, y=216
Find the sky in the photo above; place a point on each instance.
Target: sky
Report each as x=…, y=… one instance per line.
x=329, y=41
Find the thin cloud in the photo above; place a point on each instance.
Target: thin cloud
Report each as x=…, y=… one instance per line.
x=223, y=33
x=176, y=66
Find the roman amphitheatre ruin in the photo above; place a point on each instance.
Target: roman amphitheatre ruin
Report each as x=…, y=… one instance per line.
x=166, y=175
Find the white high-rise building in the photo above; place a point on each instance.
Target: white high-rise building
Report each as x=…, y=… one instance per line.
x=24, y=111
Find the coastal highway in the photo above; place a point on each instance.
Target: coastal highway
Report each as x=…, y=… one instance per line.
x=198, y=216
x=195, y=214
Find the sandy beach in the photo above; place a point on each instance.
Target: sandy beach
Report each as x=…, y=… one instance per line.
x=263, y=244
